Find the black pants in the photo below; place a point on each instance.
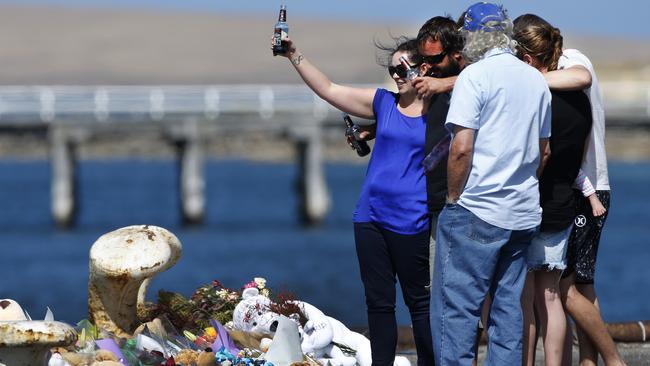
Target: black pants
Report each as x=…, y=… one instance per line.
x=382, y=255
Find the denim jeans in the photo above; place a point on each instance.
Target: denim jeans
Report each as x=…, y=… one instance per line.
x=472, y=259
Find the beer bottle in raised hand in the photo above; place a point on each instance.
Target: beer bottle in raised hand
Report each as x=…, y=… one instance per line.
x=280, y=33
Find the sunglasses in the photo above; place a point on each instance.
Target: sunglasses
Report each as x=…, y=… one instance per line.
x=400, y=70
x=435, y=59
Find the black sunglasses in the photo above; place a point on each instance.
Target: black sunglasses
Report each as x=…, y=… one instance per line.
x=400, y=70
x=435, y=59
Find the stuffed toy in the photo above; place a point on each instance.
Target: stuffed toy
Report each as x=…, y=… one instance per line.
x=326, y=339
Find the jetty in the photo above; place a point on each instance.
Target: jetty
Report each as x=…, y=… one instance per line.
x=184, y=115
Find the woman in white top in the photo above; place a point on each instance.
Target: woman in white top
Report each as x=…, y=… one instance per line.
x=575, y=72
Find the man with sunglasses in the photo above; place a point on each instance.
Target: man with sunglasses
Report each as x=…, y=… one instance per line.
x=440, y=45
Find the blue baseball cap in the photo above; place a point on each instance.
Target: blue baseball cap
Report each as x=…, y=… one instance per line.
x=484, y=16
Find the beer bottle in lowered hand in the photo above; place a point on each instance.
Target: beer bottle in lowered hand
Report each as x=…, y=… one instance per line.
x=280, y=33
x=352, y=131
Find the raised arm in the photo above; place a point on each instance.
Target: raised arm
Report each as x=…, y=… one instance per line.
x=355, y=101
x=576, y=77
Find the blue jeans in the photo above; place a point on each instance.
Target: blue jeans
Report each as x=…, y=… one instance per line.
x=472, y=259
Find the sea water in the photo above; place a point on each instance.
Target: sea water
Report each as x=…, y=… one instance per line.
x=251, y=230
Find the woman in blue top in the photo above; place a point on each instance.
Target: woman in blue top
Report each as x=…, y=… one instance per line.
x=391, y=225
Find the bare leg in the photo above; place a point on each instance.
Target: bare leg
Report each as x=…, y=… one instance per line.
x=530, y=331
x=588, y=319
x=551, y=315
x=567, y=355
x=588, y=352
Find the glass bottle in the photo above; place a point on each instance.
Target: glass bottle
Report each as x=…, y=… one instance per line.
x=280, y=32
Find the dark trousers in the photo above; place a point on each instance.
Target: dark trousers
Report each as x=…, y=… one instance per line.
x=383, y=255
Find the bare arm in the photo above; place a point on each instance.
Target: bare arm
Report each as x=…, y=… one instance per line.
x=573, y=78
x=544, y=155
x=355, y=101
x=583, y=183
x=428, y=86
x=597, y=208
x=460, y=161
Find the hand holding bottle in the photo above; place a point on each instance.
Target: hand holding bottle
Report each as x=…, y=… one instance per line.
x=289, y=46
x=353, y=135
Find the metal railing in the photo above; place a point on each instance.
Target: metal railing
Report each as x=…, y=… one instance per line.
x=45, y=104
x=624, y=101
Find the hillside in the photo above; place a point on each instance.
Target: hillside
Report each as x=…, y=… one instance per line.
x=54, y=45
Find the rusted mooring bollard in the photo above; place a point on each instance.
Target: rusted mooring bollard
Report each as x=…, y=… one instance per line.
x=26, y=342
x=122, y=263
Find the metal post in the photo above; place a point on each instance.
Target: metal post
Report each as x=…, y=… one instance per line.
x=63, y=183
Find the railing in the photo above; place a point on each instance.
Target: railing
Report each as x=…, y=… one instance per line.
x=46, y=104
x=626, y=102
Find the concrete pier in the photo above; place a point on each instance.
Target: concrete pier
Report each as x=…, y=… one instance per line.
x=313, y=196
x=63, y=182
x=189, y=145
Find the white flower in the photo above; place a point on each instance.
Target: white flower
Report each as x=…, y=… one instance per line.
x=222, y=293
x=260, y=282
x=265, y=292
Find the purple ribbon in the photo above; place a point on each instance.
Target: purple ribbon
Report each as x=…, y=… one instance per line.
x=223, y=339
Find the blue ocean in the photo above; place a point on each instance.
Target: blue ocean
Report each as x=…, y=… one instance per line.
x=252, y=230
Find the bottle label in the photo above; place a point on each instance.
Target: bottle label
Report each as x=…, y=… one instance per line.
x=277, y=37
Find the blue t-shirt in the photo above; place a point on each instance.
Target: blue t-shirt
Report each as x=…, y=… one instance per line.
x=394, y=193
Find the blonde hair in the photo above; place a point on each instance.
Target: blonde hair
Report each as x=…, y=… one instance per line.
x=479, y=42
x=538, y=38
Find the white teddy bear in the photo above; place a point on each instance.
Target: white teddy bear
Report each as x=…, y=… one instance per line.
x=321, y=335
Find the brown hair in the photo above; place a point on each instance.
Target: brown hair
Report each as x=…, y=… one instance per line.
x=402, y=43
x=538, y=38
x=444, y=30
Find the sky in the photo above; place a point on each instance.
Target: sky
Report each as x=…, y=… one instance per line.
x=581, y=17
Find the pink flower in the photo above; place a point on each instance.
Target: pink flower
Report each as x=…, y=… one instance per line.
x=250, y=285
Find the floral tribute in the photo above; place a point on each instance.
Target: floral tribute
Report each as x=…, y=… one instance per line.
x=177, y=331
